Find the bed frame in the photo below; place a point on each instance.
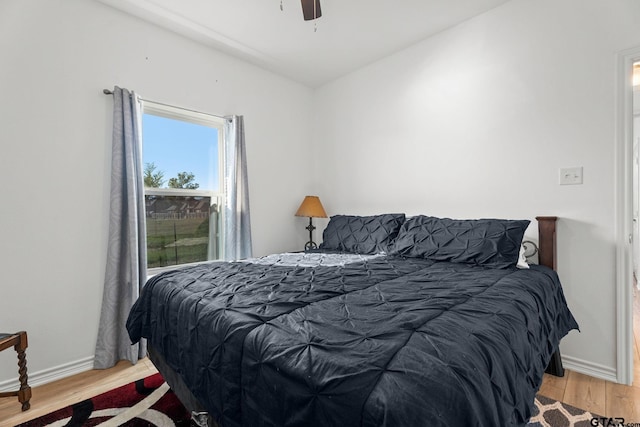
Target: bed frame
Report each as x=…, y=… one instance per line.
x=546, y=257
x=547, y=241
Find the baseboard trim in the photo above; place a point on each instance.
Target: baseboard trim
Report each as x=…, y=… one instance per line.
x=49, y=375
x=589, y=368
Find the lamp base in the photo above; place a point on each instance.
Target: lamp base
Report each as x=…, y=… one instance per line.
x=310, y=244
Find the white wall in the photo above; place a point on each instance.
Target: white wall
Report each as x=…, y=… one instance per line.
x=56, y=56
x=477, y=120
x=473, y=122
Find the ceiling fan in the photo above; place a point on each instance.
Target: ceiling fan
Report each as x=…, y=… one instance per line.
x=310, y=9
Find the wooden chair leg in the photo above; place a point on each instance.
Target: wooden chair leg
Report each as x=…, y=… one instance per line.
x=24, y=394
x=20, y=343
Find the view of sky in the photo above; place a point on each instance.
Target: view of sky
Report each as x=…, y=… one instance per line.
x=175, y=146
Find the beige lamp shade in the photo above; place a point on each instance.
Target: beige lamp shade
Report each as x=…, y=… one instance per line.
x=312, y=208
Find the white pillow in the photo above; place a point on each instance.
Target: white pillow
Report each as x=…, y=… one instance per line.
x=522, y=260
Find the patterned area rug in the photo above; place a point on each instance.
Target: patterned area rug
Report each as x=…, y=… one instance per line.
x=147, y=402
x=150, y=402
x=551, y=413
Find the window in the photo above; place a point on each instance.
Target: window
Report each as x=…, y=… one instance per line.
x=183, y=175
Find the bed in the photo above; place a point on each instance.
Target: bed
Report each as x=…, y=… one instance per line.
x=395, y=321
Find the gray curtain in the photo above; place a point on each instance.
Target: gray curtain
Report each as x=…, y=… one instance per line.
x=237, y=227
x=126, y=255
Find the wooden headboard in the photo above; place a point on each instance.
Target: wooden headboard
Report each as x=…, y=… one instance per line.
x=547, y=241
x=547, y=256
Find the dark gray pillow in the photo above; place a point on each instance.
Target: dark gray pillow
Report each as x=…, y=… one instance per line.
x=361, y=234
x=488, y=242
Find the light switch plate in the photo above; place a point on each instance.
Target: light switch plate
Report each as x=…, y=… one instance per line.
x=571, y=176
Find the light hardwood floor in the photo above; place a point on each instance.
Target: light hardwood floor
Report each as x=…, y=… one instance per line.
x=598, y=396
x=59, y=394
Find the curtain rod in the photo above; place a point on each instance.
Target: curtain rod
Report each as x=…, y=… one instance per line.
x=110, y=92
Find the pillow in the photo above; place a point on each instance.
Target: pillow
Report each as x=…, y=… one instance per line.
x=361, y=234
x=488, y=242
x=522, y=258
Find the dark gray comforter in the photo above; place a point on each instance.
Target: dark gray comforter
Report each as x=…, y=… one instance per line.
x=386, y=341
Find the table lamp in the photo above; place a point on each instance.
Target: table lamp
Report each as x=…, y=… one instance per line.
x=312, y=208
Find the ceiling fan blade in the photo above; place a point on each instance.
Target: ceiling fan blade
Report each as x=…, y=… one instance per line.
x=309, y=11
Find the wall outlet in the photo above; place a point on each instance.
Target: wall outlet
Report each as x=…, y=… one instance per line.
x=571, y=176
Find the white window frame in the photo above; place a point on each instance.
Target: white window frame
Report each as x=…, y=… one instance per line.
x=203, y=119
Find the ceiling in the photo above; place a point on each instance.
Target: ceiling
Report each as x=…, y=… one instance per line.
x=350, y=34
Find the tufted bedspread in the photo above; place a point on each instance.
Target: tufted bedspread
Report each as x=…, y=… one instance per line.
x=371, y=341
